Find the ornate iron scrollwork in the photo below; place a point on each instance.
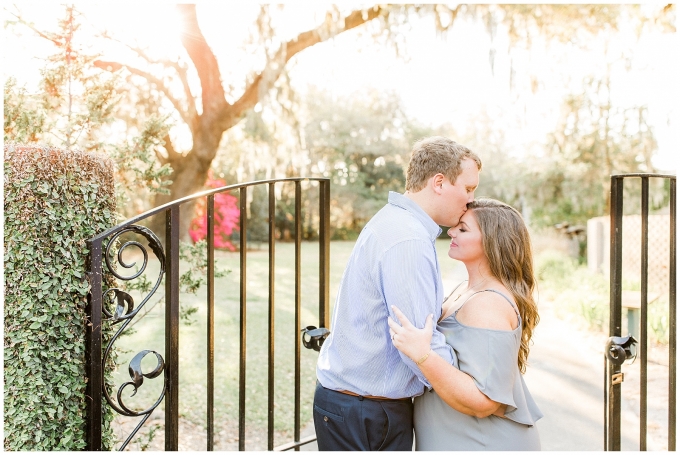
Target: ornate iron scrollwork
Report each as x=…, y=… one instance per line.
x=124, y=312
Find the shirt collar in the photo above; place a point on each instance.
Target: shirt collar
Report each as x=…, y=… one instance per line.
x=407, y=204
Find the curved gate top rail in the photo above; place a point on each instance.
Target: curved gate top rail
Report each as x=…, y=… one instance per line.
x=178, y=202
x=168, y=255
x=618, y=348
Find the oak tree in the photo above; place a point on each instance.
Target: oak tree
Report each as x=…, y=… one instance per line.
x=214, y=109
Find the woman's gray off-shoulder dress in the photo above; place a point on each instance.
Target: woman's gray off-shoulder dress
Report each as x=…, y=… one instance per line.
x=490, y=358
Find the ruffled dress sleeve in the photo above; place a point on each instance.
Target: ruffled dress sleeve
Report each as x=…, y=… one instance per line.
x=490, y=358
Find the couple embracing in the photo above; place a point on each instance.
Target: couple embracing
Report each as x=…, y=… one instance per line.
x=400, y=356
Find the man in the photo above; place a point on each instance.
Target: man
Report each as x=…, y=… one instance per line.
x=363, y=399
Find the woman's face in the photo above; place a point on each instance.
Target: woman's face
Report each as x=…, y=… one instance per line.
x=466, y=239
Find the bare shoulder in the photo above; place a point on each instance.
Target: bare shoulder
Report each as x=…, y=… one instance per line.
x=488, y=310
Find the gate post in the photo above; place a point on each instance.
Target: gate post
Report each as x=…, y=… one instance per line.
x=672, y=337
x=93, y=350
x=172, y=328
x=324, y=252
x=613, y=421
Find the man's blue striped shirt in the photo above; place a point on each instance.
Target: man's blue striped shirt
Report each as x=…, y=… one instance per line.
x=394, y=262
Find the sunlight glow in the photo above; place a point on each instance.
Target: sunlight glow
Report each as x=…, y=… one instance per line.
x=441, y=79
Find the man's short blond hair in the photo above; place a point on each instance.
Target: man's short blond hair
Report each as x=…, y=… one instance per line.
x=436, y=155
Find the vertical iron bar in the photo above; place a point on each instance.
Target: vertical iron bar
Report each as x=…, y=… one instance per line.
x=211, y=321
x=606, y=403
x=644, y=252
x=172, y=328
x=298, y=300
x=616, y=219
x=242, y=349
x=324, y=251
x=93, y=352
x=272, y=264
x=672, y=342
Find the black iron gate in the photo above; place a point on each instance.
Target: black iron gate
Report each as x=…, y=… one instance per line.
x=621, y=348
x=167, y=364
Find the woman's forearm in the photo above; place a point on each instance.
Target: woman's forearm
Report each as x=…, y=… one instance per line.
x=456, y=388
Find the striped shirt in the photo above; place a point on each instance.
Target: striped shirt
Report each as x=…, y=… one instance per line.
x=394, y=262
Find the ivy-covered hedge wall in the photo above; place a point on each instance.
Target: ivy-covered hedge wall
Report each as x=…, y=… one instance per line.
x=54, y=201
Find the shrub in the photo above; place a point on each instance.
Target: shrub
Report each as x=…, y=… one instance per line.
x=555, y=267
x=574, y=289
x=227, y=214
x=54, y=201
x=577, y=291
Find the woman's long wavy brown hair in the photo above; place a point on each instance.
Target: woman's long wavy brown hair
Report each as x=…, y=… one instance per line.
x=507, y=245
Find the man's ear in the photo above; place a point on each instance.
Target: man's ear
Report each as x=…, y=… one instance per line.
x=437, y=183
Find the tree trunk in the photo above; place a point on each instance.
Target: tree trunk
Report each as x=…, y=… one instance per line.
x=189, y=175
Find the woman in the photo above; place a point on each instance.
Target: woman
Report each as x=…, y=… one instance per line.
x=480, y=402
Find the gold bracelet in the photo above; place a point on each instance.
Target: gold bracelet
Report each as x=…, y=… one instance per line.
x=424, y=358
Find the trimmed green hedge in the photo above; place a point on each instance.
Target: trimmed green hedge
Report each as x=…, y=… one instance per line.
x=54, y=201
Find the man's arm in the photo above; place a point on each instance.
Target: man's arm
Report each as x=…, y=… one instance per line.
x=409, y=280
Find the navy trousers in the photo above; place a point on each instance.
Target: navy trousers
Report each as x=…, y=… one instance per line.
x=346, y=422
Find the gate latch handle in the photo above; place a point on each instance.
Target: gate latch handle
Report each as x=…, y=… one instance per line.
x=313, y=338
x=618, y=349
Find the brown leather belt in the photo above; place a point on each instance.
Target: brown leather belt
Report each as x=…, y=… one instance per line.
x=372, y=397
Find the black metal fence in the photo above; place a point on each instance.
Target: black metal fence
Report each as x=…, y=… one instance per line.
x=621, y=348
x=167, y=364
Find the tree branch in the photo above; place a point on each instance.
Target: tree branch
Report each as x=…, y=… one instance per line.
x=50, y=37
x=161, y=159
x=115, y=66
x=191, y=102
x=304, y=40
x=181, y=72
x=212, y=92
x=172, y=153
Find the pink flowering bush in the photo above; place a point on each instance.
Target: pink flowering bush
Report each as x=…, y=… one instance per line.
x=226, y=216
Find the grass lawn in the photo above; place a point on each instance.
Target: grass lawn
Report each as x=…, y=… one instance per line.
x=149, y=334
